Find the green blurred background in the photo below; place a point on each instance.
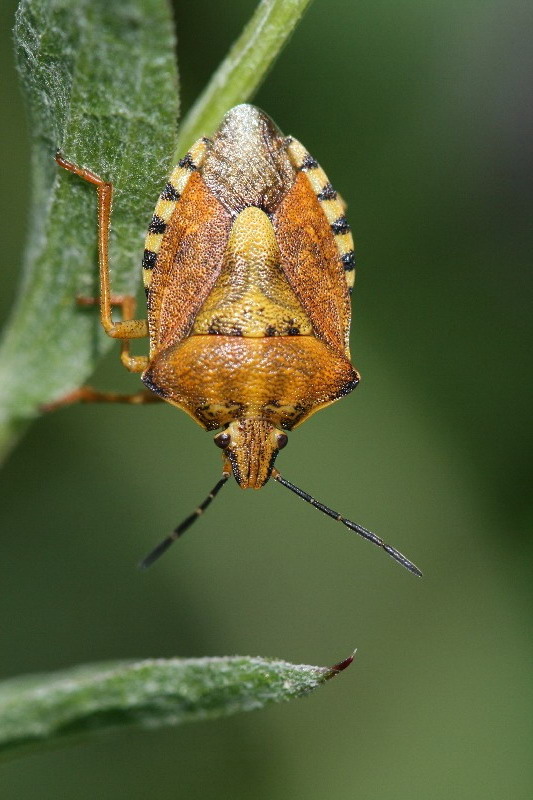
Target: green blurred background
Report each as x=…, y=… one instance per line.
x=420, y=114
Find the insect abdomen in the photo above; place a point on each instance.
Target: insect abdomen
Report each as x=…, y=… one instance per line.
x=331, y=204
x=166, y=206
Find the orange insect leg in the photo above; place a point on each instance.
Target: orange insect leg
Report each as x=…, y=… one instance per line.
x=128, y=328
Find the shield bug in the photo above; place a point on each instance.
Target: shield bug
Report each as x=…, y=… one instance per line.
x=248, y=267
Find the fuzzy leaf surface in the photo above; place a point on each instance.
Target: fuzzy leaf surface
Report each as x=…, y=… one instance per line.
x=100, y=84
x=40, y=710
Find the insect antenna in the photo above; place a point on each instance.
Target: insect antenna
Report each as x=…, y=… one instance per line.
x=353, y=526
x=183, y=526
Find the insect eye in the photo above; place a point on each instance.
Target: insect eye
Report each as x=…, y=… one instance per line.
x=282, y=440
x=222, y=440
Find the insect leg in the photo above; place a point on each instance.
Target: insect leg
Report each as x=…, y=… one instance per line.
x=86, y=394
x=126, y=302
x=127, y=329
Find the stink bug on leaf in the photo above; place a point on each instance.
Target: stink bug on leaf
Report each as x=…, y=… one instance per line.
x=248, y=267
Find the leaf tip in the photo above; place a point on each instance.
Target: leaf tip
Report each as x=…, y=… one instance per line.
x=340, y=666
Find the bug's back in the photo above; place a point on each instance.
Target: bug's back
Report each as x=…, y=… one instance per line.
x=248, y=299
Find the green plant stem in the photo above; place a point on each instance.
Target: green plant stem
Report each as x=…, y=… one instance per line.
x=243, y=69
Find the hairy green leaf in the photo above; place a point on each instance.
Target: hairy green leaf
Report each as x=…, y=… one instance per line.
x=100, y=84
x=39, y=710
